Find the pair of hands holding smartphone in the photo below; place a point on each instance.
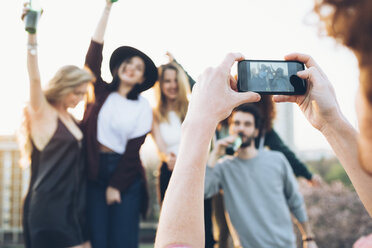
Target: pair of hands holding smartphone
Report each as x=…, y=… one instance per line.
x=317, y=99
x=271, y=77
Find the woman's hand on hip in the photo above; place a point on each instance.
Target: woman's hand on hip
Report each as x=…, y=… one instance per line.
x=171, y=161
x=112, y=195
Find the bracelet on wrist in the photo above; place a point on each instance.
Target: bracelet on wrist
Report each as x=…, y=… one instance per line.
x=32, y=48
x=31, y=45
x=308, y=239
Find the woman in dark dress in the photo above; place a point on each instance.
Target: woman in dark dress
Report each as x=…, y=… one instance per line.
x=54, y=208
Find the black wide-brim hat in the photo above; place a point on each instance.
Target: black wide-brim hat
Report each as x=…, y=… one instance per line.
x=124, y=52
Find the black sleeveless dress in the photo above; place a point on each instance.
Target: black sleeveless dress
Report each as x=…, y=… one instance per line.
x=54, y=207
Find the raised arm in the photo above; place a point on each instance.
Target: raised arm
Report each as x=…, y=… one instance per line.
x=171, y=58
x=185, y=193
x=93, y=59
x=321, y=108
x=99, y=33
x=37, y=98
x=214, y=172
x=219, y=149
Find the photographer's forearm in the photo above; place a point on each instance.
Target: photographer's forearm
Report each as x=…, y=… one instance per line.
x=185, y=193
x=343, y=139
x=99, y=33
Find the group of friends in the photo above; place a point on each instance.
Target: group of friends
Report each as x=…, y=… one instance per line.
x=268, y=79
x=88, y=186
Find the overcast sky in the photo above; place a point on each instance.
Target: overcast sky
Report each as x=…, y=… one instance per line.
x=198, y=32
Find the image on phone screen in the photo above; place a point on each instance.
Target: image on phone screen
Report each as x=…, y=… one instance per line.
x=271, y=77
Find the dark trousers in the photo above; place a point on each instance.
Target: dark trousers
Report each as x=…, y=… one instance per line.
x=164, y=177
x=116, y=225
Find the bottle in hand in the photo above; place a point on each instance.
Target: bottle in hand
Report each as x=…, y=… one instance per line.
x=231, y=149
x=32, y=17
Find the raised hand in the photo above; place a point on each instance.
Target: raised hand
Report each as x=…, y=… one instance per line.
x=215, y=95
x=26, y=9
x=319, y=104
x=170, y=56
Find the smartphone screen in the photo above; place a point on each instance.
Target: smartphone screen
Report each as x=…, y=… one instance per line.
x=271, y=77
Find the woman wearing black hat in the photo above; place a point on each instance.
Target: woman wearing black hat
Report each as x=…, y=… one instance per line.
x=115, y=126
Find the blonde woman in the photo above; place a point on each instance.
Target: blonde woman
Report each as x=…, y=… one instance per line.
x=54, y=206
x=171, y=96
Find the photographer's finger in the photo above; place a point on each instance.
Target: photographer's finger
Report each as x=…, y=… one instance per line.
x=245, y=97
x=233, y=83
x=311, y=75
x=304, y=58
x=230, y=59
x=283, y=98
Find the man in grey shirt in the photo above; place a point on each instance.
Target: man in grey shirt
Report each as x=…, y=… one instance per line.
x=260, y=190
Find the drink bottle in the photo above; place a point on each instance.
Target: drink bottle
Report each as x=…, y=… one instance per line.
x=231, y=149
x=32, y=17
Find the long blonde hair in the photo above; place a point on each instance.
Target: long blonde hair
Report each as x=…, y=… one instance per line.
x=64, y=81
x=161, y=110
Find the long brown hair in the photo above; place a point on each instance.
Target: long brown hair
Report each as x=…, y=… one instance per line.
x=161, y=110
x=350, y=23
x=64, y=81
x=267, y=109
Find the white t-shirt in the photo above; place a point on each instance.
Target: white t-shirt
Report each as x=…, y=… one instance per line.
x=171, y=132
x=121, y=119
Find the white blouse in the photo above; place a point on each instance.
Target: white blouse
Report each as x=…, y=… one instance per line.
x=121, y=119
x=171, y=132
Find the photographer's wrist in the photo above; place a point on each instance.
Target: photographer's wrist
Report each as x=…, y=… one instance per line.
x=197, y=121
x=335, y=126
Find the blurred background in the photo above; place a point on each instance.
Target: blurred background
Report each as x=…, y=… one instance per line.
x=198, y=34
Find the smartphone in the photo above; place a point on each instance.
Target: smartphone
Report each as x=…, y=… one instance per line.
x=271, y=77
